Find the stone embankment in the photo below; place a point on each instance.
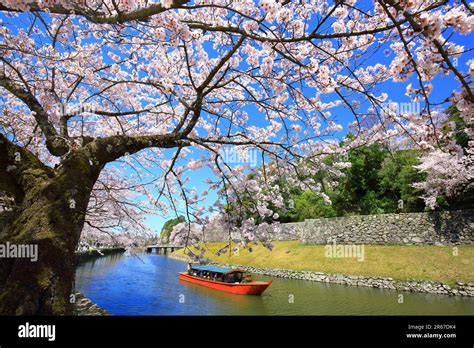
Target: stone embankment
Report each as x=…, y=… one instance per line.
x=84, y=256
x=460, y=289
x=425, y=228
x=85, y=307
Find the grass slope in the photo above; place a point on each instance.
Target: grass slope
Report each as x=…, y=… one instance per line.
x=401, y=262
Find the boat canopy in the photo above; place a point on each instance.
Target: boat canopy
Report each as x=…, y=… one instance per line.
x=215, y=269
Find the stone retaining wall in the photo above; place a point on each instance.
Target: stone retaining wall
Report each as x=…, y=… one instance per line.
x=460, y=289
x=430, y=228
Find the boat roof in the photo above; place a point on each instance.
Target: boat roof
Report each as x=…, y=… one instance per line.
x=216, y=269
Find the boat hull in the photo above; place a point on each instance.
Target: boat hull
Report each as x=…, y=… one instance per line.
x=252, y=288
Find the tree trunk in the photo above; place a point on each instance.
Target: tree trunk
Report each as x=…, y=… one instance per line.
x=49, y=212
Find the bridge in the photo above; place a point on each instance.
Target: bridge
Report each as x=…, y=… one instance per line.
x=162, y=249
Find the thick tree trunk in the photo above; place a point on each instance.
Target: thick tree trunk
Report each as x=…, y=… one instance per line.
x=50, y=212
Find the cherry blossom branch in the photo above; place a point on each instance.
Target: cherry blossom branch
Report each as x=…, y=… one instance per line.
x=95, y=16
x=105, y=150
x=57, y=145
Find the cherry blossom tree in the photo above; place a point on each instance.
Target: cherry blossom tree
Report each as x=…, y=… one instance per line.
x=107, y=107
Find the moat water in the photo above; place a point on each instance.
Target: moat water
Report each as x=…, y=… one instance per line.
x=148, y=284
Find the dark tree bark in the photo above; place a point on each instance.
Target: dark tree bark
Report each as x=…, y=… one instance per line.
x=49, y=211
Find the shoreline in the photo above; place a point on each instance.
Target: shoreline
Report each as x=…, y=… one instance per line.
x=420, y=286
x=83, y=306
x=84, y=256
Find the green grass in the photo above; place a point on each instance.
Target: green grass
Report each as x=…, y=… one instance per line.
x=401, y=262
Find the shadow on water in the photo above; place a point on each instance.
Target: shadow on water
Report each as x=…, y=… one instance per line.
x=238, y=304
x=149, y=285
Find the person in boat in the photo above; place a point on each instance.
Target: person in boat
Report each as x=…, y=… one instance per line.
x=229, y=278
x=238, y=277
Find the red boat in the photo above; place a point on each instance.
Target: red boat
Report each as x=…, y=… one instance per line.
x=223, y=279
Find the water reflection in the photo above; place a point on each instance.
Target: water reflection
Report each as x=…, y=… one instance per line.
x=239, y=305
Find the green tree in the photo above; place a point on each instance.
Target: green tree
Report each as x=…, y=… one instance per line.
x=397, y=176
x=358, y=189
x=308, y=205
